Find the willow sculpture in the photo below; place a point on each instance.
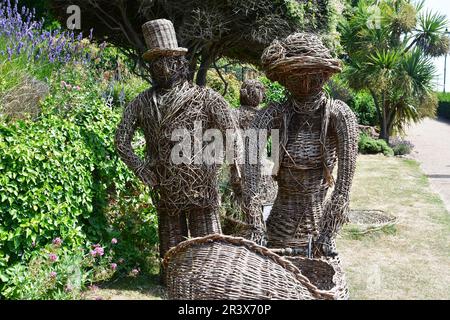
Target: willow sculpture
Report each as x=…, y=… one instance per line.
x=316, y=133
x=188, y=200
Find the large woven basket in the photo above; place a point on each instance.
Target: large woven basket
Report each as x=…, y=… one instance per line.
x=219, y=267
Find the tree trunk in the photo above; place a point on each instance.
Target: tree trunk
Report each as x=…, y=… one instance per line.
x=203, y=70
x=384, y=132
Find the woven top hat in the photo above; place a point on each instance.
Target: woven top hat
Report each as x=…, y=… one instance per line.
x=161, y=40
x=299, y=53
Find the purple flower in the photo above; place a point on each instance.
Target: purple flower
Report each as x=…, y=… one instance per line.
x=57, y=241
x=113, y=266
x=33, y=244
x=114, y=241
x=93, y=253
x=53, y=257
x=53, y=275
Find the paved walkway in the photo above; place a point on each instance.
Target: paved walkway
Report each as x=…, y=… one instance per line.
x=432, y=149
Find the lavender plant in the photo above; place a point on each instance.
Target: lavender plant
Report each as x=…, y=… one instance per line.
x=21, y=34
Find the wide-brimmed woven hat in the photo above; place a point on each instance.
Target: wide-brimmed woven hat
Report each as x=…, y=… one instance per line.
x=300, y=52
x=161, y=40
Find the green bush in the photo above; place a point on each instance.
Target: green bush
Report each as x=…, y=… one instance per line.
x=234, y=86
x=368, y=145
x=60, y=176
x=444, y=105
x=275, y=92
x=55, y=273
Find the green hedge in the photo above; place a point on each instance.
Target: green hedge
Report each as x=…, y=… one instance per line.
x=444, y=106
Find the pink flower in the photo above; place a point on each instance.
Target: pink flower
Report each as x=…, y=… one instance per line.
x=57, y=241
x=53, y=257
x=99, y=251
x=78, y=88
x=93, y=253
x=53, y=275
x=114, y=241
x=113, y=266
x=33, y=244
x=135, y=272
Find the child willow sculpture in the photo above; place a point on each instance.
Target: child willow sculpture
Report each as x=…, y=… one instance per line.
x=315, y=132
x=188, y=191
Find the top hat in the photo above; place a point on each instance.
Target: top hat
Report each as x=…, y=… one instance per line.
x=161, y=40
x=300, y=53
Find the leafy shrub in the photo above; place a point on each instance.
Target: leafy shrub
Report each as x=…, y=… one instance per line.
x=401, y=147
x=444, y=105
x=275, y=92
x=360, y=102
x=56, y=273
x=368, y=145
x=233, y=89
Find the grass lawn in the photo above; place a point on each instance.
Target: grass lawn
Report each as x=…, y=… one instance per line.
x=408, y=261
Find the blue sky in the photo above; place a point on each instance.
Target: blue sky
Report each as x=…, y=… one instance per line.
x=441, y=6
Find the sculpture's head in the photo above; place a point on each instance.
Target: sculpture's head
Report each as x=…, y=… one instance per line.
x=168, y=65
x=301, y=63
x=253, y=93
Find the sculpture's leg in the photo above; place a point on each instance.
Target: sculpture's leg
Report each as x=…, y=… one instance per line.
x=204, y=221
x=172, y=229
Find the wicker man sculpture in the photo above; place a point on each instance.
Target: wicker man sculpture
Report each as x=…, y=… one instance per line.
x=315, y=133
x=188, y=191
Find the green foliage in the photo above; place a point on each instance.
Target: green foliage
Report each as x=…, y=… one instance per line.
x=61, y=176
x=233, y=86
x=361, y=102
x=368, y=145
x=392, y=60
x=62, y=278
x=444, y=106
x=275, y=92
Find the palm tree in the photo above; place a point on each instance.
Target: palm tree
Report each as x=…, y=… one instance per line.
x=392, y=58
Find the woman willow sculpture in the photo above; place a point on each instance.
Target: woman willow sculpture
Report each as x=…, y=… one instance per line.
x=315, y=133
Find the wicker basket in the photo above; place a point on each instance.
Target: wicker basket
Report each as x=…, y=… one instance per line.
x=219, y=267
x=365, y=221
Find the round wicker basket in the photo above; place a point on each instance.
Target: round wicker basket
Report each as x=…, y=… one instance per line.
x=219, y=267
x=365, y=221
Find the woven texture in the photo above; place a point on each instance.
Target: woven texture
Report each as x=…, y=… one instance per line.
x=161, y=39
x=188, y=190
x=228, y=268
x=299, y=53
x=365, y=221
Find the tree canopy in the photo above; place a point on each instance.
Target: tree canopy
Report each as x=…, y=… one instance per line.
x=210, y=29
x=390, y=44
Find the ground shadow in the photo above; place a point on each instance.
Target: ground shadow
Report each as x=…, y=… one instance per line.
x=438, y=176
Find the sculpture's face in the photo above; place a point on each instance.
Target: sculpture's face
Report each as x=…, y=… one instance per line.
x=301, y=84
x=169, y=71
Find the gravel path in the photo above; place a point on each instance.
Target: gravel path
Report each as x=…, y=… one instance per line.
x=432, y=149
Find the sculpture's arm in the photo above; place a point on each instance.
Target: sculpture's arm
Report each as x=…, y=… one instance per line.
x=336, y=209
x=123, y=138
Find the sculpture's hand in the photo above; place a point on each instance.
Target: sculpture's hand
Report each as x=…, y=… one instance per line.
x=323, y=246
